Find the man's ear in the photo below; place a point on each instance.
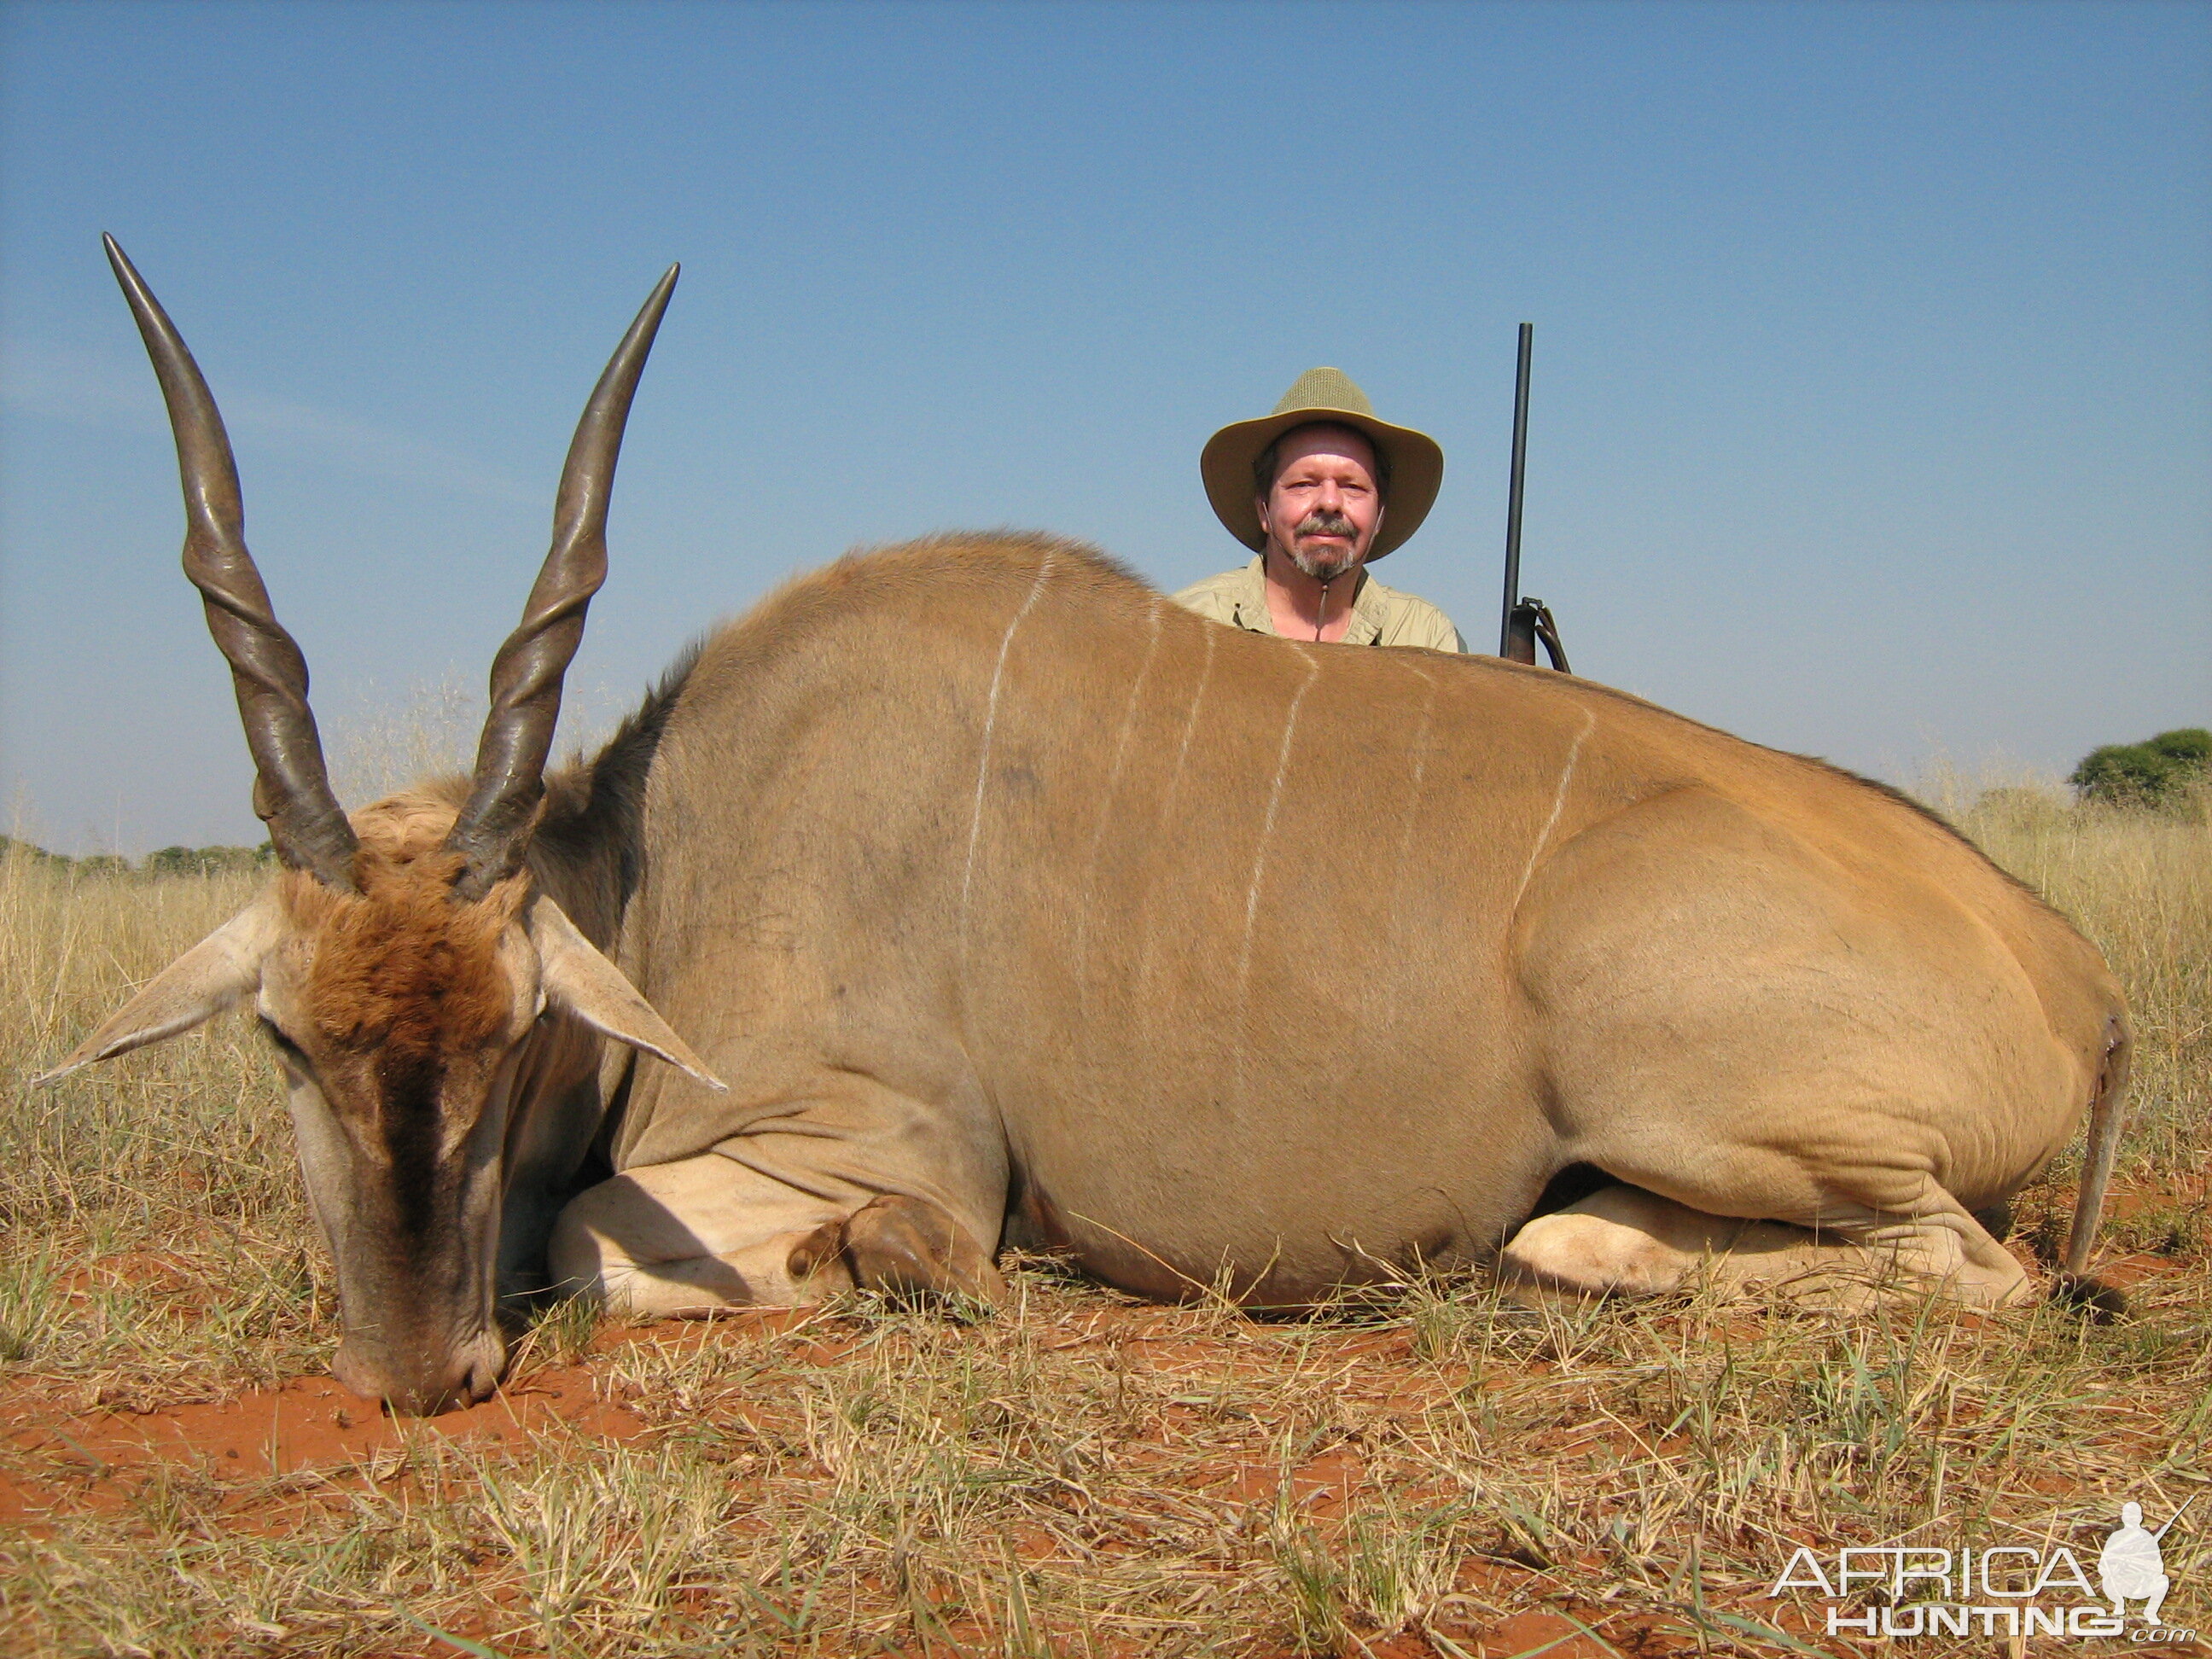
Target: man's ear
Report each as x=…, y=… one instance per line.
x=214, y=975
x=579, y=980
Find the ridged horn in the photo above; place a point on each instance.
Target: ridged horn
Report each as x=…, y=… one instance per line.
x=493, y=831
x=292, y=789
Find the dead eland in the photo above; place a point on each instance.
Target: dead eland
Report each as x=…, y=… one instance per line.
x=969, y=893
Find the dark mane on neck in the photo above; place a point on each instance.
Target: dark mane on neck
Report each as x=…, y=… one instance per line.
x=587, y=848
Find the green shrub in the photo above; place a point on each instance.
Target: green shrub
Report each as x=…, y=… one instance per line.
x=10, y=846
x=169, y=862
x=200, y=861
x=2147, y=773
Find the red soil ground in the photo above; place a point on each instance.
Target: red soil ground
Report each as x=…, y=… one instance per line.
x=59, y=1460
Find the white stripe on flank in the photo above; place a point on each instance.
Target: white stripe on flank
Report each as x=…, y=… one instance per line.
x=1189, y=725
x=1106, y=803
x=1559, y=800
x=1267, y=825
x=983, y=759
x=1140, y=1002
x=1420, y=748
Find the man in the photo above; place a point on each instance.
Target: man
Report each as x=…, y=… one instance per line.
x=1319, y=490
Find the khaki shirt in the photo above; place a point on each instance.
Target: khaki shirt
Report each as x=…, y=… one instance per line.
x=1380, y=615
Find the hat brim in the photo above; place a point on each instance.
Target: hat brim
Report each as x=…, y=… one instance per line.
x=1416, y=462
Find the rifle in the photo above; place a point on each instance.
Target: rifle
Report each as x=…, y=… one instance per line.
x=1521, y=622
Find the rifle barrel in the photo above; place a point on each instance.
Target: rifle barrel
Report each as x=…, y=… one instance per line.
x=2159, y=1535
x=1513, y=493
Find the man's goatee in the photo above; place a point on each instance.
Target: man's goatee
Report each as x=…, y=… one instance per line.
x=1323, y=566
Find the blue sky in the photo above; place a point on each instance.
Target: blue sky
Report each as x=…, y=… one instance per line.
x=1873, y=402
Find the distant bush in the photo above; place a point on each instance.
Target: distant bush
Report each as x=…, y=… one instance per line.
x=169, y=862
x=2149, y=773
x=202, y=860
x=10, y=848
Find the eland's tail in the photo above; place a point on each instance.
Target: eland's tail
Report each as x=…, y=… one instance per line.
x=2107, y=1116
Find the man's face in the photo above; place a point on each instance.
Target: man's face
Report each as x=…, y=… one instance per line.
x=1324, y=508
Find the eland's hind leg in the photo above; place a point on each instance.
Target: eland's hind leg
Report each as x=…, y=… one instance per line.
x=1625, y=1241
x=1752, y=1030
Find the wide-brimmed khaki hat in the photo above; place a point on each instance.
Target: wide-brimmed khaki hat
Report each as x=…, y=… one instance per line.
x=1414, y=459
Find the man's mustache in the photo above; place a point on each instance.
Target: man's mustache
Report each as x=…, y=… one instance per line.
x=1321, y=523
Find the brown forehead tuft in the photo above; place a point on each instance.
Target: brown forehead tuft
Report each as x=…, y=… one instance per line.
x=403, y=967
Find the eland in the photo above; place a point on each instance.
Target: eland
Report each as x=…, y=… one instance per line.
x=968, y=894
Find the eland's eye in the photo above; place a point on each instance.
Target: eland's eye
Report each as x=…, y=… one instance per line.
x=285, y=1046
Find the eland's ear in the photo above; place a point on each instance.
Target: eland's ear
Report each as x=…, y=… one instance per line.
x=579, y=980
x=214, y=976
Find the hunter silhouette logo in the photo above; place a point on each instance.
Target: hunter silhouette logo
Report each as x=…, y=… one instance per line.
x=1996, y=1589
x=2132, y=1565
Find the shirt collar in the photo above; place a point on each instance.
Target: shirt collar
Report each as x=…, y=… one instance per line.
x=1369, y=613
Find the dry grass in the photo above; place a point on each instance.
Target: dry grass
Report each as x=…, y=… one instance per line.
x=1443, y=1473
x=2140, y=883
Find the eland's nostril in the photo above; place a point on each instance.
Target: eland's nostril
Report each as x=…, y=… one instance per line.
x=467, y=1372
x=358, y=1372
x=486, y=1361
